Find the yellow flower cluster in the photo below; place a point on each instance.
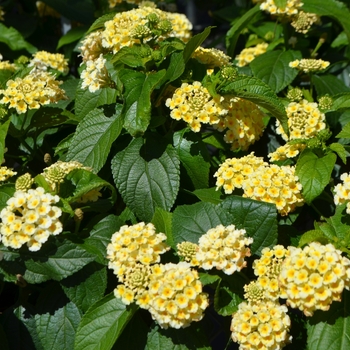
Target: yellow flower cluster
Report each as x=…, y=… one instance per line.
x=303, y=21
x=95, y=75
x=6, y=173
x=309, y=65
x=342, y=192
x=174, y=297
x=193, y=104
x=261, y=326
x=223, y=248
x=312, y=278
x=243, y=122
x=247, y=55
x=7, y=65
x=34, y=90
x=286, y=151
x=55, y=173
x=270, y=6
x=188, y=251
x=30, y=218
x=262, y=182
x=267, y=268
x=304, y=121
x=91, y=47
x=135, y=244
x=42, y=60
x=91, y=196
x=211, y=58
x=119, y=31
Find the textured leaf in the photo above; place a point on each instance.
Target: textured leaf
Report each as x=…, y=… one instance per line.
x=177, y=339
x=93, y=138
x=56, y=330
x=192, y=151
x=146, y=174
x=313, y=236
x=103, y=323
x=162, y=220
x=255, y=90
x=138, y=90
x=259, y=219
x=339, y=149
x=14, y=39
x=272, y=67
x=52, y=261
x=314, y=173
x=86, y=101
x=235, y=31
x=100, y=236
x=176, y=67
x=341, y=101
x=328, y=84
x=190, y=222
x=6, y=192
x=330, y=330
x=86, y=286
x=345, y=133
x=208, y=195
x=196, y=41
x=332, y=8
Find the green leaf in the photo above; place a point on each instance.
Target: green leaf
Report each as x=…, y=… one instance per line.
x=340, y=40
x=86, y=101
x=334, y=9
x=192, y=337
x=207, y=278
x=314, y=173
x=146, y=174
x=330, y=330
x=255, y=90
x=345, y=133
x=56, y=329
x=340, y=150
x=86, y=286
x=138, y=90
x=100, y=22
x=162, y=220
x=6, y=192
x=210, y=195
x=14, y=39
x=71, y=36
x=281, y=3
x=190, y=222
x=341, y=101
x=79, y=10
x=103, y=323
x=53, y=261
x=328, y=84
x=176, y=67
x=196, y=41
x=313, y=236
x=228, y=295
x=235, y=31
x=93, y=138
x=272, y=67
x=259, y=219
x=192, y=154
x=3, y=133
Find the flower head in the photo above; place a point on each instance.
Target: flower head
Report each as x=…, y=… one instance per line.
x=42, y=60
x=247, y=55
x=30, y=218
x=309, y=65
x=6, y=173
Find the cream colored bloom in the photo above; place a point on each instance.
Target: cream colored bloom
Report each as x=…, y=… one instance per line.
x=247, y=55
x=309, y=65
x=6, y=173
x=43, y=60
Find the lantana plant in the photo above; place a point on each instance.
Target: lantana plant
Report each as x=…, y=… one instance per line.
x=168, y=186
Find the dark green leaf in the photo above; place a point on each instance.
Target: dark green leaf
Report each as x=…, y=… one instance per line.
x=71, y=36
x=345, y=133
x=102, y=324
x=235, y=31
x=255, y=90
x=190, y=222
x=146, y=174
x=330, y=330
x=341, y=101
x=138, y=90
x=340, y=40
x=93, y=138
x=86, y=286
x=14, y=39
x=210, y=195
x=196, y=41
x=272, y=67
x=99, y=23
x=100, y=236
x=207, y=278
x=339, y=150
x=6, y=192
x=162, y=220
x=314, y=173
x=312, y=236
x=176, y=67
x=3, y=133
x=259, y=219
x=192, y=154
x=328, y=84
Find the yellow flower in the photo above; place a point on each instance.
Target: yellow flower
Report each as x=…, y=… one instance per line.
x=309, y=65
x=247, y=55
x=42, y=59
